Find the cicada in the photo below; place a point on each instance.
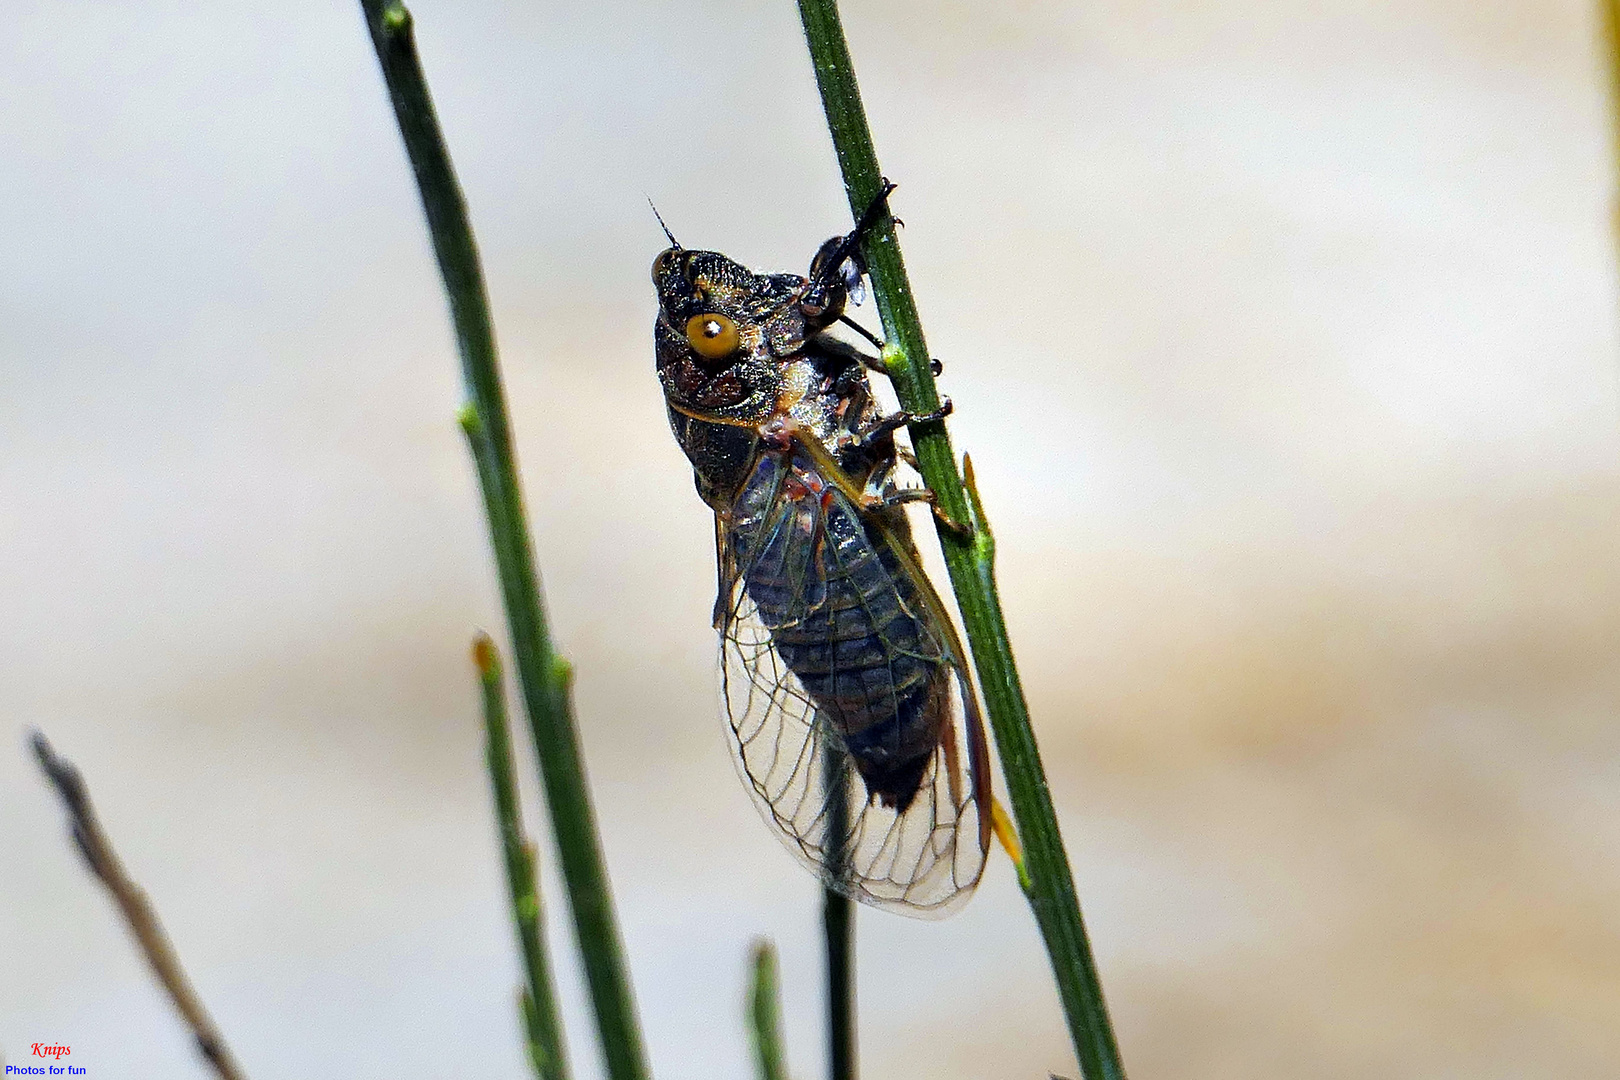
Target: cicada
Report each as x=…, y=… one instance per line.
x=851, y=713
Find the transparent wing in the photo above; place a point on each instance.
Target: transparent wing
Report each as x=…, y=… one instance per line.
x=852, y=720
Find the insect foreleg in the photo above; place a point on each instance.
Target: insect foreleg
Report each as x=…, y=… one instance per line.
x=828, y=268
x=873, y=362
x=876, y=211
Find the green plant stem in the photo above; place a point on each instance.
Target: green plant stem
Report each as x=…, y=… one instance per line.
x=538, y=1003
x=970, y=563
x=543, y=676
x=838, y=927
x=765, y=1014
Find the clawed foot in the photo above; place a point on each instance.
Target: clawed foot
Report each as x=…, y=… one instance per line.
x=895, y=421
x=960, y=530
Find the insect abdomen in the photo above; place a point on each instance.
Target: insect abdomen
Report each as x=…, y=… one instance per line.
x=847, y=621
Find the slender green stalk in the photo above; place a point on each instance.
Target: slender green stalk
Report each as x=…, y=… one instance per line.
x=838, y=928
x=765, y=1014
x=538, y=1002
x=543, y=676
x=970, y=561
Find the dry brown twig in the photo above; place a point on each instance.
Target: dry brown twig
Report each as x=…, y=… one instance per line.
x=134, y=906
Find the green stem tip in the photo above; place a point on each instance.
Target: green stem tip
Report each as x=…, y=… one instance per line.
x=538, y=1000
x=765, y=1014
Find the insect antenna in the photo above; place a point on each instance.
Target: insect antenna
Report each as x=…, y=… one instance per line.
x=674, y=243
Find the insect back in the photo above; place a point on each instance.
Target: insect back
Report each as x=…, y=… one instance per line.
x=848, y=704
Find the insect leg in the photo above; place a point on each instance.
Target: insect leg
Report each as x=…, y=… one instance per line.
x=829, y=265
x=911, y=495
x=725, y=570
x=895, y=421
x=875, y=363
x=872, y=362
x=875, y=210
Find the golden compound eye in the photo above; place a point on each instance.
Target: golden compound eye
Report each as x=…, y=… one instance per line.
x=713, y=336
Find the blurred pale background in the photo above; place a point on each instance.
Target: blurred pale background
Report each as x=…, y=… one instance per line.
x=1283, y=335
